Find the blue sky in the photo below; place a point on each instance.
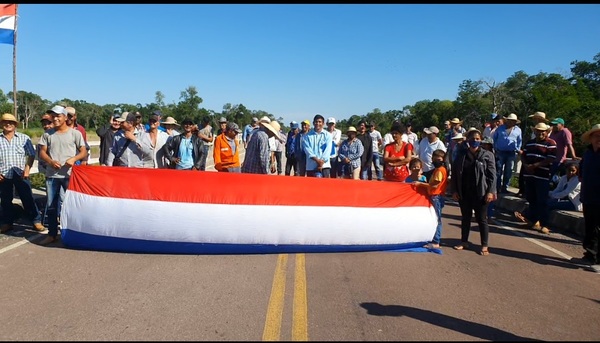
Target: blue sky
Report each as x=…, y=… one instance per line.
x=290, y=60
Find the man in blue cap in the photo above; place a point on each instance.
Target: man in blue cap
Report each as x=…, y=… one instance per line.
x=158, y=114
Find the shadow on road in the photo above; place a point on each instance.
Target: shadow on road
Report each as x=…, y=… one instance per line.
x=460, y=325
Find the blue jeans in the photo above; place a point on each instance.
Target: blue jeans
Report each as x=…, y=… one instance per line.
x=378, y=169
x=536, y=193
x=505, y=162
x=438, y=203
x=55, y=190
x=204, y=157
x=23, y=188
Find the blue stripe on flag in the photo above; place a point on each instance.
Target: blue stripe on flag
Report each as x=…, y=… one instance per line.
x=86, y=241
x=7, y=36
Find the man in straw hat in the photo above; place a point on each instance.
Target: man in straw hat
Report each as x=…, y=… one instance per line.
x=258, y=154
x=538, y=155
x=16, y=158
x=170, y=125
x=507, y=143
x=589, y=171
x=350, y=152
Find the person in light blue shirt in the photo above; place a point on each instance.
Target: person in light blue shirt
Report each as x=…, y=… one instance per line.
x=416, y=171
x=317, y=145
x=507, y=143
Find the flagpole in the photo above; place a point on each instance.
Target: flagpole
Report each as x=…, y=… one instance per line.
x=15, y=62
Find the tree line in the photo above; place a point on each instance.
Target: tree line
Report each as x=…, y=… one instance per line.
x=574, y=97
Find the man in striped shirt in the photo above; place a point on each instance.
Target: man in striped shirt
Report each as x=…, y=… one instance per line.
x=16, y=158
x=538, y=155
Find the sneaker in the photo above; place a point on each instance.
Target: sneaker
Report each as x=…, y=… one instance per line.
x=594, y=268
x=39, y=227
x=5, y=228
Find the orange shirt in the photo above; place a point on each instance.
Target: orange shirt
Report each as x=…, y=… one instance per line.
x=439, y=174
x=222, y=154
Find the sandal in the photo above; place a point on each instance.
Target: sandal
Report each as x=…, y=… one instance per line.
x=461, y=246
x=520, y=217
x=484, y=251
x=431, y=246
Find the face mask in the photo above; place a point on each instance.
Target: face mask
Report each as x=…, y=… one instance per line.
x=438, y=164
x=474, y=144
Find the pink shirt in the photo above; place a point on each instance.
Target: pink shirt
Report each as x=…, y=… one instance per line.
x=563, y=139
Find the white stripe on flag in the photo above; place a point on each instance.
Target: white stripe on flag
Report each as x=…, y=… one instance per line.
x=7, y=22
x=245, y=224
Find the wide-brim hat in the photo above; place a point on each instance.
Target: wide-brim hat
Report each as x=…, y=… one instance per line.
x=274, y=127
x=586, y=136
x=455, y=121
x=512, y=116
x=9, y=117
x=351, y=129
x=542, y=127
x=539, y=115
x=458, y=136
x=170, y=121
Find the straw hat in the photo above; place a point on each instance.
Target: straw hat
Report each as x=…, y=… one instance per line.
x=458, y=136
x=542, y=127
x=171, y=121
x=9, y=117
x=512, y=116
x=539, y=115
x=274, y=127
x=351, y=129
x=585, y=137
x=455, y=121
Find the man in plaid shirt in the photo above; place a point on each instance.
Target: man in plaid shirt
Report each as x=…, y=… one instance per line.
x=16, y=158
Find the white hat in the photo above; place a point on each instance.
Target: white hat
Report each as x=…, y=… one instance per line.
x=512, y=116
x=351, y=129
x=458, y=136
x=330, y=120
x=455, y=121
x=431, y=129
x=59, y=110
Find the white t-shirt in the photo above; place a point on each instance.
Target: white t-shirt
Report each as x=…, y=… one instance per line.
x=375, y=136
x=336, y=137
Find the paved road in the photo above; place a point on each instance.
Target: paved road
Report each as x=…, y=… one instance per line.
x=524, y=290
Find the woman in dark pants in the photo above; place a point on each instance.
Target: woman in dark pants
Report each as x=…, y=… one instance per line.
x=473, y=183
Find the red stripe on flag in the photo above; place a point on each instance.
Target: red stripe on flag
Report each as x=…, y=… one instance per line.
x=240, y=189
x=8, y=9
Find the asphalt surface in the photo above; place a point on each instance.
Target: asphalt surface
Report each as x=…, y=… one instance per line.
x=526, y=289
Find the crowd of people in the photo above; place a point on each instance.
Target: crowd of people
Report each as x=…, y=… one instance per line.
x=472, y=166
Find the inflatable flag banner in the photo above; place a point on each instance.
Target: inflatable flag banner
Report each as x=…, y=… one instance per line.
x=193, y=212
x=8, y=14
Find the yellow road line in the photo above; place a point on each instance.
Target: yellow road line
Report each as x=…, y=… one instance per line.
x=272, y=330
x=300, y=317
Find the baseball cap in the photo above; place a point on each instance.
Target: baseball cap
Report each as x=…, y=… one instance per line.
x=154, y=117
x=254, y=120
x=234, y=127
x=46, y=116
x=222, y=120
x=431, y=129
x=558, y=121
x=59, y=110
x=331, y=120
x=306, y=122
x=295, y=125
x=129, y=117
x=157, y=113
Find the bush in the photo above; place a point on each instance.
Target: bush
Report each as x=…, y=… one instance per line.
x=38, y=181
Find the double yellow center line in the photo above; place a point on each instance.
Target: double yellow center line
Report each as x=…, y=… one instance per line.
x=272, y=330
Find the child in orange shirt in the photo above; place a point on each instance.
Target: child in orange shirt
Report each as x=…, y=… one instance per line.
x=436, y=189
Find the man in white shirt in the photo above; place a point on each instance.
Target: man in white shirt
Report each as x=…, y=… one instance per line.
x=336, y=136
x=413, y=139
x=377, y=143
x=427, y=146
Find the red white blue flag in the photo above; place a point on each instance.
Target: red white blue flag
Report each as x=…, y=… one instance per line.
x=8, y=21
x=191, y=212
